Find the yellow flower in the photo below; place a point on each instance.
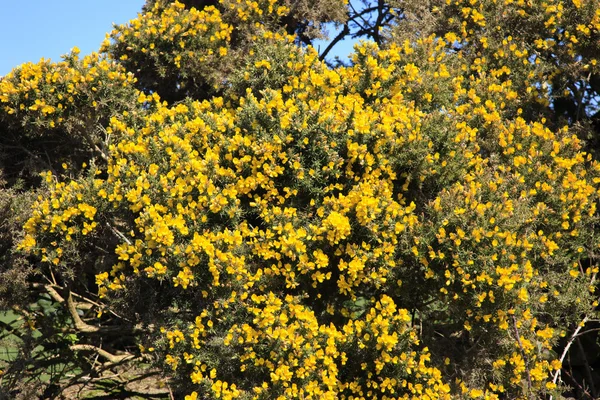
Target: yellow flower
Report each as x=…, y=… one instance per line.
x=191, y=396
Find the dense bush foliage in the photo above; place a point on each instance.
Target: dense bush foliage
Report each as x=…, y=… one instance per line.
x=232, y=217
x=55, y=112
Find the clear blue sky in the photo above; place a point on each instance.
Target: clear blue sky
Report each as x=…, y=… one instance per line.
x=32, y=29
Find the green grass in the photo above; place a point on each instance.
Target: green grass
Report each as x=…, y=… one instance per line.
x=9, y=342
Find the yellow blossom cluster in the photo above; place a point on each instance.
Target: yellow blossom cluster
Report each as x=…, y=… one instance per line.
x=197, y=35
x=173, y=43
x=53, y=113
x=254, y=11
x=558, y=42
x=197, y=48
x=47, y=94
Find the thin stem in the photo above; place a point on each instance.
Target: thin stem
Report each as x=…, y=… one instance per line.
x=119, y=234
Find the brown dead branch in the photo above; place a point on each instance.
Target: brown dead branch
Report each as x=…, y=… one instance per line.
x=113, y=359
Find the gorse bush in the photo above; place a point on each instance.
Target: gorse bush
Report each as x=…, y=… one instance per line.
x=399, y=227
x=55, y=112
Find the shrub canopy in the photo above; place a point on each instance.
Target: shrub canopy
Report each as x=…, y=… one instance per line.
x=247, y=221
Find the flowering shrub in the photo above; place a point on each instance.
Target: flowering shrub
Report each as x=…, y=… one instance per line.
x=175, y=45
x=53, y=113
x=547, y=50
x=396, y=228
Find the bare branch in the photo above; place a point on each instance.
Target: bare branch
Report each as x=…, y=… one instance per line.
x=573, y=337
x=340, y=36
x=79, y=324
x=119, y=234
x=567, y=347
x=54, y=294
x=84, y=131
x=51, y=290
x=113, y=359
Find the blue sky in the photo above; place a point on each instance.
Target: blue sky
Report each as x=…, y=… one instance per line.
x=30, y=30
